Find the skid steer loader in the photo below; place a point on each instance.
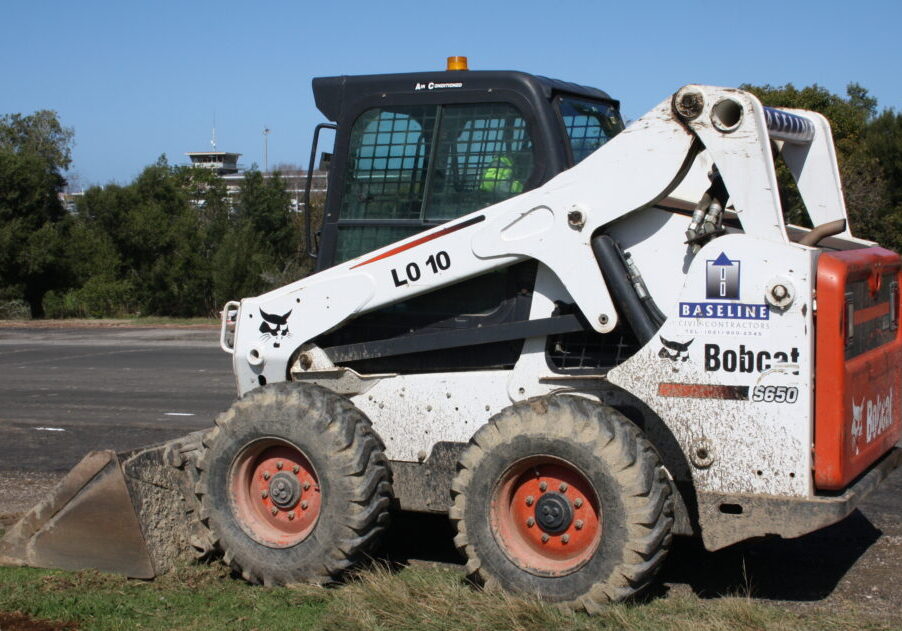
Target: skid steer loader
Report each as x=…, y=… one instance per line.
x=575, y=339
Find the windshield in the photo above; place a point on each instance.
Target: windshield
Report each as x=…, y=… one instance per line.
x=589, y=124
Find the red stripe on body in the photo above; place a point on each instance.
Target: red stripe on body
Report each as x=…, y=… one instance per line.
x=703, y=391
x=429, y=237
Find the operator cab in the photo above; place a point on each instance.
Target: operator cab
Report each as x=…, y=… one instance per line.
x=415, y=150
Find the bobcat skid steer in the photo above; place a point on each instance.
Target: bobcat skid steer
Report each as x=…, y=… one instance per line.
x=577, y=340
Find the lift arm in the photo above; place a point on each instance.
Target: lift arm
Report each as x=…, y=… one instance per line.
x=552, y=224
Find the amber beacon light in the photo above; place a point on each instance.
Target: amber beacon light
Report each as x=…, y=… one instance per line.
x=457, y=63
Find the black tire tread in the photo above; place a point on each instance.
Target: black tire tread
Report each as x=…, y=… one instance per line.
x=632, y=459
x=358, y=452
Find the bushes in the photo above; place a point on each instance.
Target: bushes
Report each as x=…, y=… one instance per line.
x=14, y=309
x=173, y=243
x=101, y=296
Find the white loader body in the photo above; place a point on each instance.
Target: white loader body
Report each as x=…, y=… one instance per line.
x=730, y=374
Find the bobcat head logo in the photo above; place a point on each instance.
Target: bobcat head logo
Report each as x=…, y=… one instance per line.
x=677, y=352
x=275, y=327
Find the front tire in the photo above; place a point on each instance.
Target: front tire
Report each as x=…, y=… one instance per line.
x=294, y=485
x=562, y=498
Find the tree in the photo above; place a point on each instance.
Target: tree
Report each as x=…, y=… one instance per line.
x=266, y=206
x=162, y=264
x=883, y=140
x=34, y=150
x=260, y=251
x=863, y=169
x=173, y=243
x=40, y=134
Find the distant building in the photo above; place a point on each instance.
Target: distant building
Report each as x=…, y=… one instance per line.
x=223, y=162
x=294, y=181
x=70, y=200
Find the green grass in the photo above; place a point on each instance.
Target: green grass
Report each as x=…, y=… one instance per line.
x=417, y=598
x=191, y=598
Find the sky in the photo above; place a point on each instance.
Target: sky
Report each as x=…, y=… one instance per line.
x=136, y=80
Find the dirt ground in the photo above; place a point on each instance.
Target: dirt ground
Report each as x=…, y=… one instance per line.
x=21, y=622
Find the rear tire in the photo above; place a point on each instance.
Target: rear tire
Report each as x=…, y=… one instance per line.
x=294, y=485
x=562, y=498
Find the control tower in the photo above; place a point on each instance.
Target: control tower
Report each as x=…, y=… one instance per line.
x=223, y=162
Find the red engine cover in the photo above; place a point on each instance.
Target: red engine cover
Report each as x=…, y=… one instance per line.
x=858, y=386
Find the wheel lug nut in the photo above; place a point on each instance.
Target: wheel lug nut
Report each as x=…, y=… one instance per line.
x=304, y=505
x=266, y=475
x=306, y=486
x=279, y=465
x=565, y=539
x=530, y=522
x=529, y=500
x=275, y=510
x=291, y=515
x=543, y=486
x=578, y=524
x=578, y=502
x=545, y=538
x=264, y=494
x=563, y=487
x=295, y=469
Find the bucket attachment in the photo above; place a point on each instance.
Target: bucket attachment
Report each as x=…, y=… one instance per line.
x=132, y=514
x=88, y=521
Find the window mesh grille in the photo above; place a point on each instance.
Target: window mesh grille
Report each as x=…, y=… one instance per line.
x=396, y=172
x=589, y=125
x=484, y=156
x=587, y=350
x=387, y=166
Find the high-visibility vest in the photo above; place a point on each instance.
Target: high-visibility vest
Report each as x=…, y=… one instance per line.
x=499, y=177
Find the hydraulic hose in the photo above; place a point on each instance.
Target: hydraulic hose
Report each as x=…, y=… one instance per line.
x=610, y=261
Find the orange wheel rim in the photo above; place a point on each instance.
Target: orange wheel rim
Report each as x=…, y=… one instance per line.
x=275, y=493
x=546, y=516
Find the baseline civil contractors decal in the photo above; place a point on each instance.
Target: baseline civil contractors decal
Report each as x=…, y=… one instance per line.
x=723, y=283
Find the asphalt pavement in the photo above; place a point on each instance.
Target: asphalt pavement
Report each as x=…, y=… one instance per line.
x=67, y=391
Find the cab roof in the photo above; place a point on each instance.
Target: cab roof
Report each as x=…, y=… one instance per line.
x=333, y=94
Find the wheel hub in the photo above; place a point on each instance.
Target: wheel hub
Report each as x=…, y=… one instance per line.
x=553, y=513
x=276, y=493
x=285, y=490
x=546, y=516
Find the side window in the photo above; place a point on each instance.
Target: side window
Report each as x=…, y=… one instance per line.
x=387, y=168
x=386, y=177
x=484, y=155
x=589, y=124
